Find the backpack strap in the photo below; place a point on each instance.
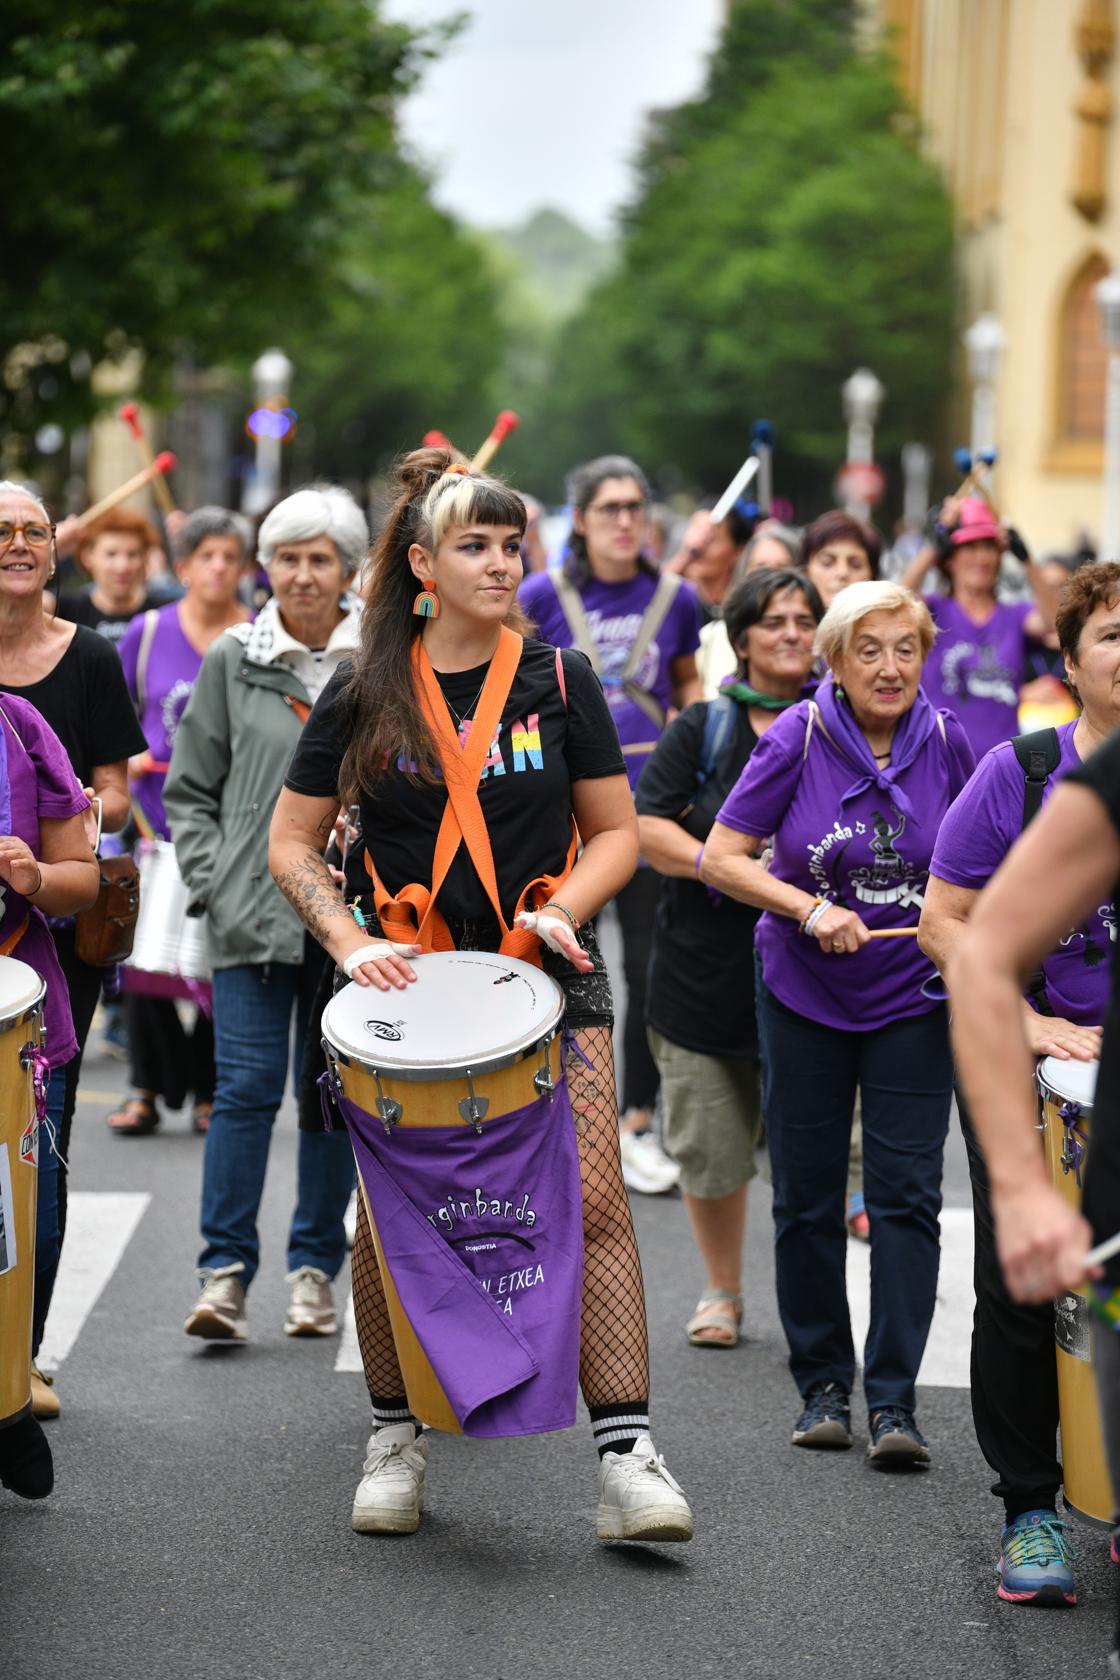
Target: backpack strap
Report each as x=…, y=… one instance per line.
x=561, y=680
x=1039, y=755
x=579, y=626
x=143, y=655
x=719, y=726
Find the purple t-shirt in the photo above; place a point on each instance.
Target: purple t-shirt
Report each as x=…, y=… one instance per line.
x=978, y=832
x=977, y=670
x=614, y=612
x=36, y=783
x=170, y=672
x=860, y=852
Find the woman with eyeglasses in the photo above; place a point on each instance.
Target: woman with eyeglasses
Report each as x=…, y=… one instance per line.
x=640, y=630
x=74, y=680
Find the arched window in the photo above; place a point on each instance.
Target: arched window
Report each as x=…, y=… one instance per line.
x=1082, y=359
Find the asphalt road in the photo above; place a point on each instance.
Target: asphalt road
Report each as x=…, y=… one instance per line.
x=200, y=1525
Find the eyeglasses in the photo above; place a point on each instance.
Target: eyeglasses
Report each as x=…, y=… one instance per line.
x=615, y=511
x=35, y=535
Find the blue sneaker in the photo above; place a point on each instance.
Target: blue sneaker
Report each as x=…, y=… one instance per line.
x=1035, y=1564
x=896, y=1441
x=826, y=1419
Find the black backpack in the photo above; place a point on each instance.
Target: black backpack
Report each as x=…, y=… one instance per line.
x=1039, y=755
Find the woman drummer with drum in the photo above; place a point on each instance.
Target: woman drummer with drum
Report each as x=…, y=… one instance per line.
x=443, y=595
x=1014, y=1380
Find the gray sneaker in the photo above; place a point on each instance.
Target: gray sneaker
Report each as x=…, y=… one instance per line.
x=219, y=1312
x=311, y=1309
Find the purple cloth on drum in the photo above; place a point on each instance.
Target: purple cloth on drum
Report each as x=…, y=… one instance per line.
x=483, y=1237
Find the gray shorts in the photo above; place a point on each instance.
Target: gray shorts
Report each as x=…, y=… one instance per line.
x=712, y=1116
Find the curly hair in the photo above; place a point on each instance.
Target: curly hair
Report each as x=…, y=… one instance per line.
x=1090, y=587
x=385, y=720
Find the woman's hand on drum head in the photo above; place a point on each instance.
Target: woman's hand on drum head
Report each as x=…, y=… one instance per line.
x=840, y=931
x=381, y=964
x=1042, y=1241
x=557, y=933
x=1049, y=1035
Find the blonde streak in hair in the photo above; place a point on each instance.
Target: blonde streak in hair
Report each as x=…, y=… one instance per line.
x=450, y=502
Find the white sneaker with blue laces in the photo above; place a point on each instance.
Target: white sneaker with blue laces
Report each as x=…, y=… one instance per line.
x=638, y=1499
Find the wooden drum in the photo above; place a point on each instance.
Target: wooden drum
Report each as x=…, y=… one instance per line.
x=21, y=1032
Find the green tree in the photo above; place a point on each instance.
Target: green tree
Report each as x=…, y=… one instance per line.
x=787, y=230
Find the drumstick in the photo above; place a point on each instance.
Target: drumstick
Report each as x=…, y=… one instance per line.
x=130, y=414
x=438, y=440
x=1103, y=1251
x=506, y=423
x=163, y=463
x=892, y=933
x=735, y=489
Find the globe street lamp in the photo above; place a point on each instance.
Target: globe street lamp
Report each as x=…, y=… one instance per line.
x=272, y=375
x=1108, y=302
x=984, y=342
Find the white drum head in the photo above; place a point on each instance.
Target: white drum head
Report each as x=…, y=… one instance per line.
x=20, y=987
x=1071, y=1081
x=467, y=1009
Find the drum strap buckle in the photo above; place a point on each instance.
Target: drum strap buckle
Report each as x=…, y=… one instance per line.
x=473, y=1108
x=389, y=1110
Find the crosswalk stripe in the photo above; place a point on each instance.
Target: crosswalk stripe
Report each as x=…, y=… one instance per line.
x=99, y=1227
x=947, y=1351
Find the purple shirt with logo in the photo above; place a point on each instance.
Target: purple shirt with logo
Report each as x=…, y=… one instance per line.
x=977, y=670
x=978, y=832
x=169, y=675
x=839, y=834
x=36, y=783
x=614, y=612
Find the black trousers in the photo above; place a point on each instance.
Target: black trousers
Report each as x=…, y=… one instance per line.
x=84, y=986
x=1014, y=1369
x=637, y=905
x=163, y=1056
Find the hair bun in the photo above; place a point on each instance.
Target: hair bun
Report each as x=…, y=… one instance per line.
x=419, y=470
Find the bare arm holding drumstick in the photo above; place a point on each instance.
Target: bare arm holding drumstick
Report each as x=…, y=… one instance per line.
x=730, y=863
x=1067, y=861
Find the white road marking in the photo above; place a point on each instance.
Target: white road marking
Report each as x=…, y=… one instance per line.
x=349, y=1357
x=99, y=1227
x=947, y=1351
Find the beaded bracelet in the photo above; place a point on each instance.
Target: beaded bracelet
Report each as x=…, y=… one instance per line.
x=564, y=911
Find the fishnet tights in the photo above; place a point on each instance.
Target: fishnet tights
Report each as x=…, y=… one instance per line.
x=614, y=1350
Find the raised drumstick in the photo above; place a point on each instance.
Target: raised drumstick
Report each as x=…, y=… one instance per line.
x=130, y=414
x=437, y=440
x=506, y=423
x=163, y=463
x=735, y=489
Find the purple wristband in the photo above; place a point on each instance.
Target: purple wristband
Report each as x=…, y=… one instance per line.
x=699, y=861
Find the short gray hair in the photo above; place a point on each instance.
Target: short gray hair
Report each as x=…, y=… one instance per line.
x=319, y=510
x=9, y=487
x=838, y=627
x=213, y=522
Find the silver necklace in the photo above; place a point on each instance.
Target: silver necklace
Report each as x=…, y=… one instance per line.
x=461, y=718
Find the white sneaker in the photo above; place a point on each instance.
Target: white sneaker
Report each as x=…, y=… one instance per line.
x=219, y=1313
x=638, y=1499
x=390, y=1495
x=350, y=1219
x=311, y=1309
x=645, y=1166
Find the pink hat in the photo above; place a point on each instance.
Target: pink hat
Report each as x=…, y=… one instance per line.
x=977, y=523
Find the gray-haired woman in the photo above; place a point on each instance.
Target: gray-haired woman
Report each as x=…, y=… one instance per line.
x=162, y=652
x=254, y=692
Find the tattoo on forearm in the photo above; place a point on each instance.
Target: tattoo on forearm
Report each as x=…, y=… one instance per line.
x=312, y=894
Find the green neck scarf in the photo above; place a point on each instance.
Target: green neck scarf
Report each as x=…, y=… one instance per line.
x=748, y=696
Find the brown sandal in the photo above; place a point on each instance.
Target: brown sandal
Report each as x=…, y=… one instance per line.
x=136, y=1117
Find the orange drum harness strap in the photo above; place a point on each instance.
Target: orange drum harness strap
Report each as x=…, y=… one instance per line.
x=412, y=917
x=13, y=939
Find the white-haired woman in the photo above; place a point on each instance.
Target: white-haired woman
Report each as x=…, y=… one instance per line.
x=852, y=786
x=253, y=694
x=162, y=652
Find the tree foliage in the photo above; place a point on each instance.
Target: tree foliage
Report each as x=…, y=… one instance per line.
x=786, y=231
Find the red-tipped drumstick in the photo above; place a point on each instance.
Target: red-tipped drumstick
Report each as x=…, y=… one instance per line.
x=162, y=464
x=506, y=423
x=130, y=414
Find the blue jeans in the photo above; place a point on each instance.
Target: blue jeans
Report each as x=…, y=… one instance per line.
x=253, y=1022
x=810, y=1075
x=48, y=1238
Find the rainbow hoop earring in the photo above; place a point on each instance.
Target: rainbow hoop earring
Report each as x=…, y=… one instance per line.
x=426, y=604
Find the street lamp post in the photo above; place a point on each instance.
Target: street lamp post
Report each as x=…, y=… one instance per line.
x=1108, y=302
x=984, y=342
x=272, y=374
x=862, y=393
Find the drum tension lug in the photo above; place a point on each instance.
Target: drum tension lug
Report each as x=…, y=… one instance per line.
x=543, y=1081
x=473, y=1108
x=389, y=1110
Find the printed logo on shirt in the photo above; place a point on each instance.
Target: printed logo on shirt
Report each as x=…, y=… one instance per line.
x=1083, y=942
x=890, y=879
x=614, y=637
x=524, y=750
x=987, y=679
x=172, y=707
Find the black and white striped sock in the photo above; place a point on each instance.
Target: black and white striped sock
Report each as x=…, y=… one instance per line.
x=391, y=1409
x=616, y=1428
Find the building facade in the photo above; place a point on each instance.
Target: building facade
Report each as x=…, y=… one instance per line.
x=1020, y=105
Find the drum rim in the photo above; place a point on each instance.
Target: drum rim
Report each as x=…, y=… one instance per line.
x=1046, y=1089
x=28, y=1008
